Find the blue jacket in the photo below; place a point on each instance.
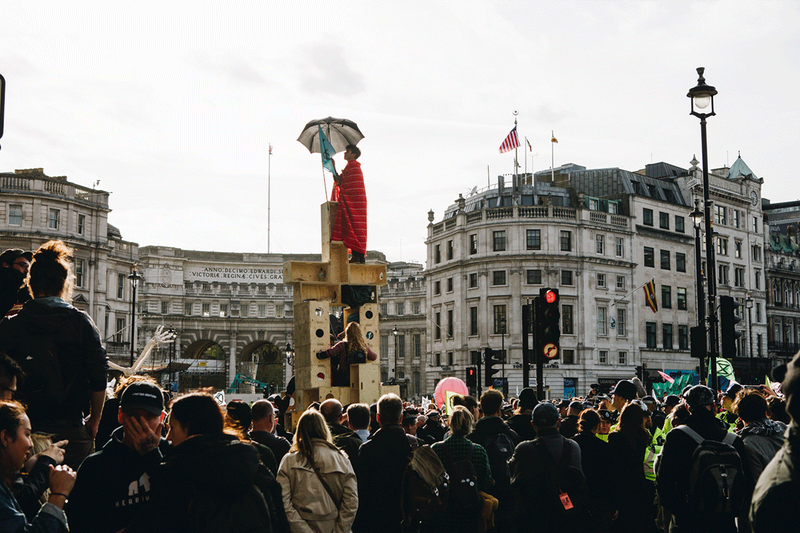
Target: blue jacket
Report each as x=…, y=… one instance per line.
x=50, y=519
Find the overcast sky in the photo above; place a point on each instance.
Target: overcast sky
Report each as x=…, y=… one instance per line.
x=172, y=105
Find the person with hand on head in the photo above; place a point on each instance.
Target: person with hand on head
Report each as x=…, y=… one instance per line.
x=15, y=444
x=114, y=483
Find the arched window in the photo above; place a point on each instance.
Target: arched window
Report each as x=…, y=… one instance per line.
x=776, y=294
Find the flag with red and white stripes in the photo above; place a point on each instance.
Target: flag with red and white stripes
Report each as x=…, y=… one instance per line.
x=511, y=142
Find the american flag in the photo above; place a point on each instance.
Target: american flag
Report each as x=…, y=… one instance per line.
x=511, y=142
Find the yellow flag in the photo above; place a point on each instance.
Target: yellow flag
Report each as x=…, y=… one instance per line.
x=448, y=401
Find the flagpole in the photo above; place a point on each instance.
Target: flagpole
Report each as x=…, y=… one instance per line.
x=516, y=152
x=614, y=302
x=552, y=157
x=269, y=184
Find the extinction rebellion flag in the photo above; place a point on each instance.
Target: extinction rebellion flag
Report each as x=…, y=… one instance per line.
x=650, y=295
x=511, y=142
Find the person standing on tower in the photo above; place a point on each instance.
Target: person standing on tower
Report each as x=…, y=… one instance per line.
x=350, y=226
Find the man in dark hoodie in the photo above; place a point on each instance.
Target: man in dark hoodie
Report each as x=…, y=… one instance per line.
x=382, y=460
x=499, y=441
x=113, y=484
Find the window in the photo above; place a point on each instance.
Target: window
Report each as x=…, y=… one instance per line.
x=187, y=309
x=437, y=254
x=449, y=358
x=566, y=277
x=738, y=277
x=650, y=331
x=437, y=287
x=602, y=357
x=449, y=250
x=756, y=252
x=81, y=224
x=223, y=310
x=473, y=321
x=680, y=262
x=499, y=241
x=80, y=272
x=499, y=277
x=384, y=347
x=647, y=217
x=758, y=312
x=566, y=241
x=737, y=223
x=437, y=332
x=533, y=240
x=649, y=257
x=415, y=307
x=118, y=335
x=437, y=359
x=755, y=224
x=601, y=281
x=473, y=280
x=667, y=333
x=738, y=249
x=602, y=321
x=401, y=346
x=620, y=283
x=384, y=311
x=666, y=297
x=724, y=275
x=262, y=311
x=401, y=308
x=683, y=337
x=619, y=247
x=473, y=244
x=15, y=215
x=663, y=220
x=758, y=279
x=53, y=218
x=664, y=259
x=682, y=298
x=533, y=277
x=449, y=284
x=207, y=309
x=416, y=338
x=621, y=329
x=164, y=308
x=680, y=224
x=500, y=320
x=599, y=244
x=568, y=357
x=722, y=246
x=450, y=323
x=720, y=215
x=567, y=322
x=622, y=358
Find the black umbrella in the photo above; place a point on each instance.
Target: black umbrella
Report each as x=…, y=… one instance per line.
x=339, y=131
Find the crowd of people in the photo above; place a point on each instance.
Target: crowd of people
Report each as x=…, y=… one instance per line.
x=74, y=458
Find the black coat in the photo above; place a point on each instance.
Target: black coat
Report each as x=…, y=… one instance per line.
x=521, y=424
x=597, y=468
x=382, y=460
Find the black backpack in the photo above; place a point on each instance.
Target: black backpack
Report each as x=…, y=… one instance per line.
x=562, y=496
x=500, y=449
x=425, y=489
x=464, y=497
x=716, y=479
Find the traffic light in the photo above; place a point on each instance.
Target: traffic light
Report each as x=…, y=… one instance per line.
x=472, y=379
x=698, y=340
x=729, y=317
x=490, y=359
x=548, y=327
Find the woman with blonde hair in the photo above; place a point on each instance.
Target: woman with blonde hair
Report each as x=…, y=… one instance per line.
x=352, y=349
x=320, y=494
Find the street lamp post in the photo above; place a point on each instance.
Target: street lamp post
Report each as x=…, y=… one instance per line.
x=503, y=351
x=701, y=97
x=395, y=332
x=135, y=278
x=697, y=219
x=749, y=305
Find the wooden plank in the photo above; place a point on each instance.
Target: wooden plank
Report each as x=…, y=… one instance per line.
x=367, y=274
x=294, y=271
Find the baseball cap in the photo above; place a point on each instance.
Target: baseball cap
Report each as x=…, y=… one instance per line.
x=606, y=415
x=11, y=254
x=699, y=395
x=145, y=396
x=576, y=405
x=545, y=414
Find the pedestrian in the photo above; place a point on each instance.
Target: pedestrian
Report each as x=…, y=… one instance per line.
x=113, y=485
x=320, y=493
x=239, y=420
x=15, y=443
x=64, y=398
x=433, y=426
x=343, y=438
x=263, y=431
x=521, y=421
x=569, y=424
x=350, y=225
x=597, y=468
x=14, y=265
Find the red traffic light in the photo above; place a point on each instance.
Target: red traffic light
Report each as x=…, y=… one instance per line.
x=471, y=371
x=550, y=297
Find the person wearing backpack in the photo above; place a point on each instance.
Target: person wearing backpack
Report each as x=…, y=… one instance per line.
x=547, y=479
x=695, y=456
x=499, y=441
x=468, y=467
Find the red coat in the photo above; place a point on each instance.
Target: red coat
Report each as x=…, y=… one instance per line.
x=350, y=226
